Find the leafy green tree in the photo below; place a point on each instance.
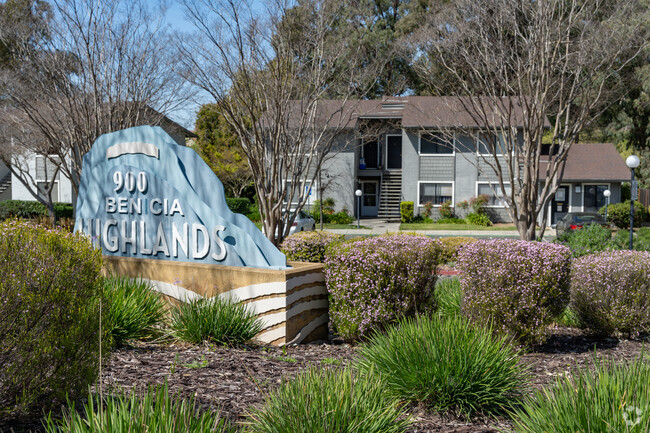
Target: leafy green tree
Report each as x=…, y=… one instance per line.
x=218, y=146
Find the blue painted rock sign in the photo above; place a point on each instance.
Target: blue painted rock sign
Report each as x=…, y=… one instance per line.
x=142, y=195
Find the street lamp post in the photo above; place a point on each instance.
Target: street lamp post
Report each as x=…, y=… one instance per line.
x=358, y=194
x=606, y=193
x=632, y=161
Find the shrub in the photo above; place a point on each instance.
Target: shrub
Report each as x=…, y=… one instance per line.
x=449, y=296
x=153, y=412
x=478, y=219
x=406, y=211
x=587, y=240
x=450, y=221
x=428, y=209
x=448, y=364
x=518, y=286
x=478, y=203
x=420, y=219
x=50, y=297
x=32, y=209
x=374, y=281
x=640, y=242
x=607, y=398
x=309, y=246
x=341, y=217
x=329, y=401
x=451, y=246
x=610, y=292
x=217, y=320
x=254, y=213
x=619, y=214
x=134, y=308
x=445, y=210
x=240, y=205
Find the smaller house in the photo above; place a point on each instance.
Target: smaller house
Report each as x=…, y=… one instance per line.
x=41, y=170
x=590, y=169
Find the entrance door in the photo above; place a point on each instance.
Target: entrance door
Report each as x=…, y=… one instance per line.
x=369, y=198
x=560, y=204
x=393, y=152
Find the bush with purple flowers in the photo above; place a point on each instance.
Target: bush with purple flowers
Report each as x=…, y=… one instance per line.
x=375, y=281
x=51, y=290
x=610, y=292
x=309, y=246
x=517, y=286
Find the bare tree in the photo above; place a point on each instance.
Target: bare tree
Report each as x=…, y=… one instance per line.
x=269, y=77
x=105, y=65
x=519, y=68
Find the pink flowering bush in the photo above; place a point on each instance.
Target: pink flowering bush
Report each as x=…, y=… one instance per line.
x=50, y=294
x=375, y=281
x=516, y=286
x=308, y=246
x=610, y=292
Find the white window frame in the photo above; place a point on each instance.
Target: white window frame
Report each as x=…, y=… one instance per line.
x=313, y=187
x=437, y=155
x=583, y=185
x=386, y=151
x=478, y=145
x=497, y=188
x=453, y=191
x=37, y=180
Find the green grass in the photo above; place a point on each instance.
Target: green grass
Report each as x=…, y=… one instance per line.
x=153, y=412
x=447, y=364
x=448, y=296
x=215, y=320
x=329, y=401
x=134, y=310
x=458, y=227
x=352, y=226
x=607, y=398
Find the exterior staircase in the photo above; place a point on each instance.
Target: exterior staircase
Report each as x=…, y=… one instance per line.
x=5, y=183
x=390, y=196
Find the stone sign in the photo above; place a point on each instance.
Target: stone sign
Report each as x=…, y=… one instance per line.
x=143, y=196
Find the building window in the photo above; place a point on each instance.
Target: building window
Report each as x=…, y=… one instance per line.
x=370, y=153
x=594, y=198
x=432, y=143
x=435, y=192
x=487, y=143
x=45, y=170
x=307, y=190
x=496, y=200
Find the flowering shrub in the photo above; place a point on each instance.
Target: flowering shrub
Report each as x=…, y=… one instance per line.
x=308, y=246
x=451, y=246
x=517, y=286
x=374, y=281
x=446, y=210
x=610, y=292
x=50, y=295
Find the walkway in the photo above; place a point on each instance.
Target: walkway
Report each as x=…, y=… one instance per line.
x=380, y=227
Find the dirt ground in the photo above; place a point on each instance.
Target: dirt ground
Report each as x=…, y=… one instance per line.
x=232, y=380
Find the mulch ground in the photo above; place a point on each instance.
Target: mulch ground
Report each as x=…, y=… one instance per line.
x=233, y=380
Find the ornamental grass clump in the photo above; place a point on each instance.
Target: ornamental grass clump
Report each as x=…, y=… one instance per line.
x=448, y=364
x=309, y=246
x=51, y=293
x=215, y=320
x=153, y=412
x=449, y=296
x=608, y=398
x=372, y=282
x=329, y=401
x=134, y=308
x=610, y=292
x=519, y=287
